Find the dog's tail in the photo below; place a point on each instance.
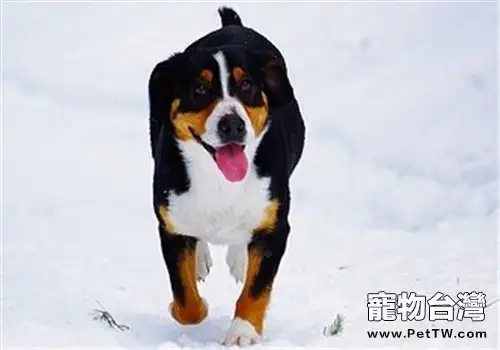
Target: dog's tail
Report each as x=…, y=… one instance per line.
x=229, y=16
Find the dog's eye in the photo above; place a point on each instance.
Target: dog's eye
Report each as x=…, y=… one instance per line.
x=246, y=86
x=200, y=90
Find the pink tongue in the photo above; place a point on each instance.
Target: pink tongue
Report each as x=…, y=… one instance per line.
x=232, y=162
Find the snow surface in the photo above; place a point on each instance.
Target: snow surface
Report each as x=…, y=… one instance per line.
x=397, y=190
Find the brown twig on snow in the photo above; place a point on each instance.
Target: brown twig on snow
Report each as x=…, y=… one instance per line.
x=105, y=316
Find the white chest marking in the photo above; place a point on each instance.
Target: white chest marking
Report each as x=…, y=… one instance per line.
x=214, y=209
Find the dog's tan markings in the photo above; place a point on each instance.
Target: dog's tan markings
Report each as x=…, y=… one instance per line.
x=248, y=307
x=258, y=115
x=268, y=222
x=187, y=121
x=174, y=106
x=238, y=74
x=207, y=75
x=193, y=310
x=166, y=222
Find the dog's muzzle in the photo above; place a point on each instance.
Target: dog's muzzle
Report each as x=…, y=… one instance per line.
x=231, y=129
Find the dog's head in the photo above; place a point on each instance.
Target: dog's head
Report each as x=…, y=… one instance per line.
x=221, y=100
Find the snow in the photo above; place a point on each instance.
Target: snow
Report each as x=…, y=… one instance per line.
x=397, y=190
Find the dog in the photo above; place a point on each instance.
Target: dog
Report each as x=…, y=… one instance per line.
x=226, y=134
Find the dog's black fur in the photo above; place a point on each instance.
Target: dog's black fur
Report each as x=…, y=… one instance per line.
x=277, y=155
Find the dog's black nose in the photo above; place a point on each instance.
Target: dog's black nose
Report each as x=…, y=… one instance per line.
x=231, y=128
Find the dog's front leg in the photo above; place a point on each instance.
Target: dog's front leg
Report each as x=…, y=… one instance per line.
x=179, y=253
x=264, y=255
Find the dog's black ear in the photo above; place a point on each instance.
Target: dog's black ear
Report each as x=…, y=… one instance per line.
x=162, y=83
x=276, y=84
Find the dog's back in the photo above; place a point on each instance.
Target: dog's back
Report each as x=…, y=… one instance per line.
x=234, y=33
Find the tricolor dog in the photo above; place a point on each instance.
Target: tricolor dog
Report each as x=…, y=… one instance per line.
x=226, y=134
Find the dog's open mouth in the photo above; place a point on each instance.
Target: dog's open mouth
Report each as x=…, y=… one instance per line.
x=230, y=159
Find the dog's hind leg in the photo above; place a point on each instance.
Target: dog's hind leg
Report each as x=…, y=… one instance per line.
x=203, y=260
x=236, y=260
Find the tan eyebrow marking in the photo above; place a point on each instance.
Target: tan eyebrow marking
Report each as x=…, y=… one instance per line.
x=207, y=74
x=238, y=74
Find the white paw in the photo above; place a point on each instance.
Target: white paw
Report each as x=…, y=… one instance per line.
x=236, y=259
x=242, y=333
x=203, y=260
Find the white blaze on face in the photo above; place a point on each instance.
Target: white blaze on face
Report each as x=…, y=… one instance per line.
x=224, y=73
x=227, y=105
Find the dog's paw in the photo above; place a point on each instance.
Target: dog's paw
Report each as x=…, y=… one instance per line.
x=241, y=333
x=203, y=260
x=236, y=260
x=192, y=313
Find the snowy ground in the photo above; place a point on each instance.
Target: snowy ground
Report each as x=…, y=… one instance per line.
x=397, y=190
